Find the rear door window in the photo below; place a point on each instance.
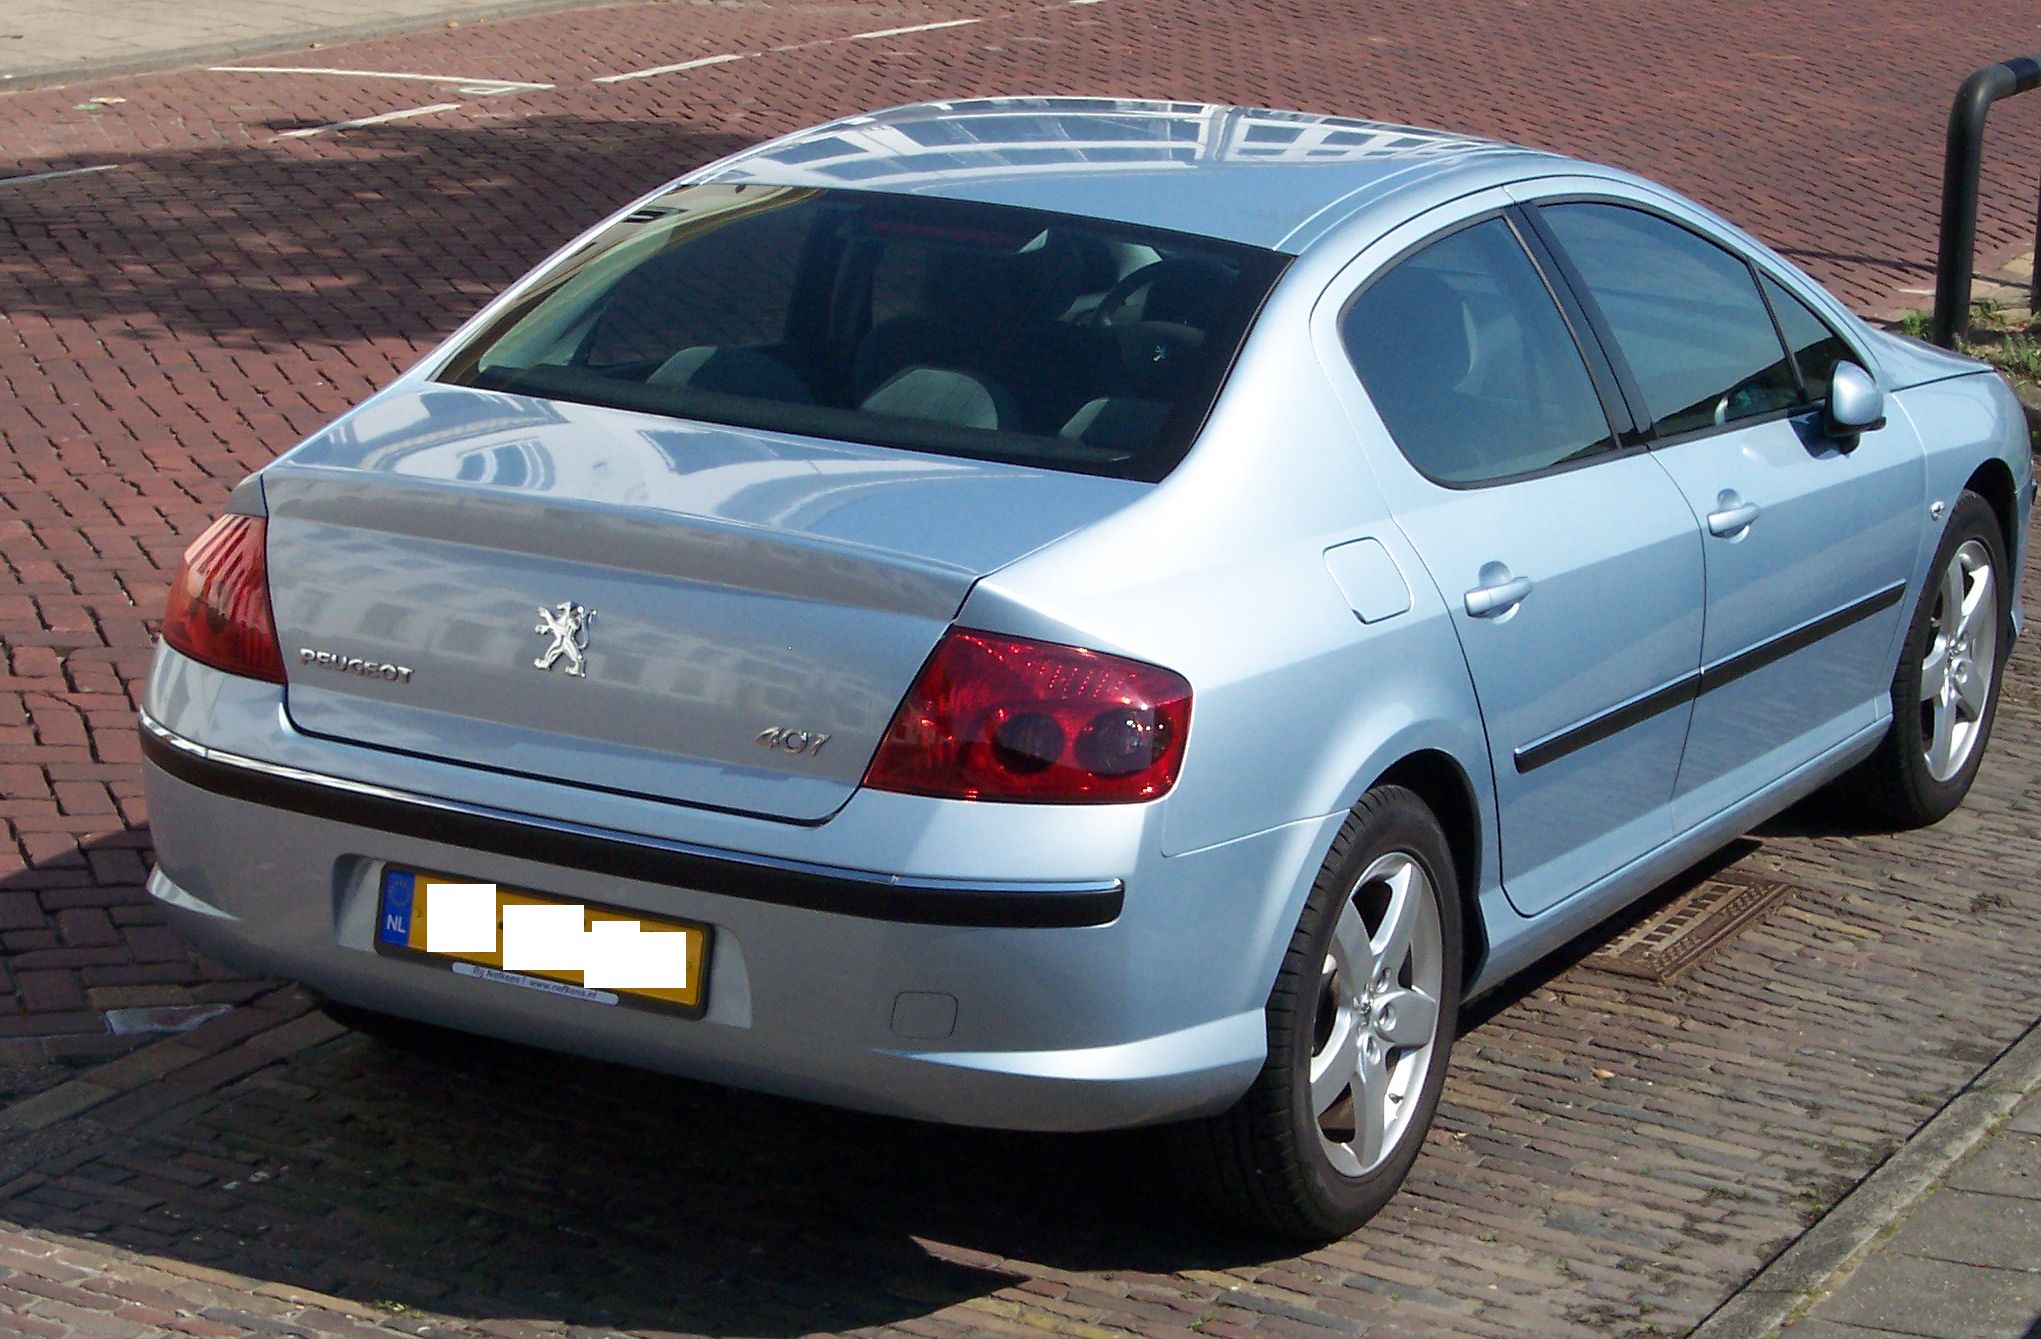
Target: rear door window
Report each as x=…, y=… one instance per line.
x=1686, y=316
x=1470, y=363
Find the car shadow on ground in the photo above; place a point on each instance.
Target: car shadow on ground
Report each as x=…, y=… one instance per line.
x=1563, y=960
x=1834, y=812
x=484, y=1179
x=404, y=233
x=408, y=1168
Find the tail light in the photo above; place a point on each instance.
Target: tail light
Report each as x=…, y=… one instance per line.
x=1001, y=718
x=219, y=604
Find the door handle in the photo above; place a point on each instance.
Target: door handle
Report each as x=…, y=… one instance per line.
x=1733, y=519
x=1497, y=598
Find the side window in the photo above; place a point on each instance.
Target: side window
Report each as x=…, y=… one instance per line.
x=1686, y=316
x=1470, y=364
x=1815, y=347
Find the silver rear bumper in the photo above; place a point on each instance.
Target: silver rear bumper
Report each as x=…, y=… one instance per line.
x=820, y=978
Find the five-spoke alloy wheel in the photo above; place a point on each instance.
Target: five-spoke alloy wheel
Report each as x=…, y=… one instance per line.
x=1360, y=1024
x=1378, y=1013
x=1958, y=673
x=1945, y=692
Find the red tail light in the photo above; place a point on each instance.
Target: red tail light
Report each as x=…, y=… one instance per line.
x=219, y=604
x=1000, y=718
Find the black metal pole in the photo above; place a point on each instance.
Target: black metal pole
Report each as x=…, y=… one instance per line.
x=1960, y=162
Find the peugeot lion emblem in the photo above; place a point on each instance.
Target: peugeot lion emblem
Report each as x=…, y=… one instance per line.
x=567, y=624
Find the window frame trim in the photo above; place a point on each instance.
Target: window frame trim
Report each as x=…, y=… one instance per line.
x=1600, y=373
x=1793, y=355
x=1653, y=440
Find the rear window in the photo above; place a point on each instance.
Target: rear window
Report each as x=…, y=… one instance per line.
x=932, y=325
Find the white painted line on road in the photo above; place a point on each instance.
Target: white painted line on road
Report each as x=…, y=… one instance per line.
x=671, y=69
x=700, y=62
x=911, y=28
x=64, y=172
x=1919, y=292
x=369, y=120
x=478, y=86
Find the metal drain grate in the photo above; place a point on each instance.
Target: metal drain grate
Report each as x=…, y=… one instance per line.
x=1688, y=928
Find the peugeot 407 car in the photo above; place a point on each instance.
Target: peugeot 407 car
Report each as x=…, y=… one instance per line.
x=1067, y=614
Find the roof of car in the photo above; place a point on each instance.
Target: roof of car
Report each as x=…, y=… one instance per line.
x=1271, y=179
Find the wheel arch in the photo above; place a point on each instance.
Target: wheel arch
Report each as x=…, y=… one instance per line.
x=1438, y=779
x=1993, y=481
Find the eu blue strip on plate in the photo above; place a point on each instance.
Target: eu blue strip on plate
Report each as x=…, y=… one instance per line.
x=393, y=919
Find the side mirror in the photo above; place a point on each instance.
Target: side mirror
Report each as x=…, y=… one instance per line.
x=1855, y=404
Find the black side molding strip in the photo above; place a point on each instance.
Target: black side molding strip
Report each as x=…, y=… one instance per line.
x=1785, y=644
x=843, y=892
x=1595, y=729
x=1707, y=679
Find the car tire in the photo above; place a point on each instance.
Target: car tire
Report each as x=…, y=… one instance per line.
x=1947, y=679
x=1284, y=1159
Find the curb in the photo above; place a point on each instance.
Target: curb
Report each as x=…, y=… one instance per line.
x=178, y=58
x=1828, y=1252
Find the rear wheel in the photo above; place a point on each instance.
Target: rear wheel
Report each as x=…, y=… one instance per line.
x=1945, y=693
x=1360, y=1024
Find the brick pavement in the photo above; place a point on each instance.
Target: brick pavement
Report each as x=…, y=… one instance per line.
x=1612, y=1157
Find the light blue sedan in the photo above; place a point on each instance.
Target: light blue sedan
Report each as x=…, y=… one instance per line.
x=1066, y=613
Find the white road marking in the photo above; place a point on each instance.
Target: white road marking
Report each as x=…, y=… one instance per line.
x=52, y=176
x=369, y=120
x=1919, y=292
x=480, y=87
x=702, y=61
x=911, y=28
x=671, y=69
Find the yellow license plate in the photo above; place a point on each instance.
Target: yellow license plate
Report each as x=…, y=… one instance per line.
x=600, y=954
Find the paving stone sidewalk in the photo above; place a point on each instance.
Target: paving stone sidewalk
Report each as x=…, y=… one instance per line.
x=1964, y=1264
x=1943, y=1240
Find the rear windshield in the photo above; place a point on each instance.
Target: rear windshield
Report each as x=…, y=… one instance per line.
x=934, y=325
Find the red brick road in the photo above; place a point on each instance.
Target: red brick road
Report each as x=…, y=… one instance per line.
x=1612, y=1157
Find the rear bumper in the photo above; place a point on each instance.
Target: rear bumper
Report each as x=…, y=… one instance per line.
x=1013, y=905
x=1075, y=1004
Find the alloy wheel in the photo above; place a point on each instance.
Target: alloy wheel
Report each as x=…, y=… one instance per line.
x=1378, y=1014
x=1956, y=672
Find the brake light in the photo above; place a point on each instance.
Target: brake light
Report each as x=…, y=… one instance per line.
x=1003, y=718
x=219, y=603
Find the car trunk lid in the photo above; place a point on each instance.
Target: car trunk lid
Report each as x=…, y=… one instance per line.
x=701, y=614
